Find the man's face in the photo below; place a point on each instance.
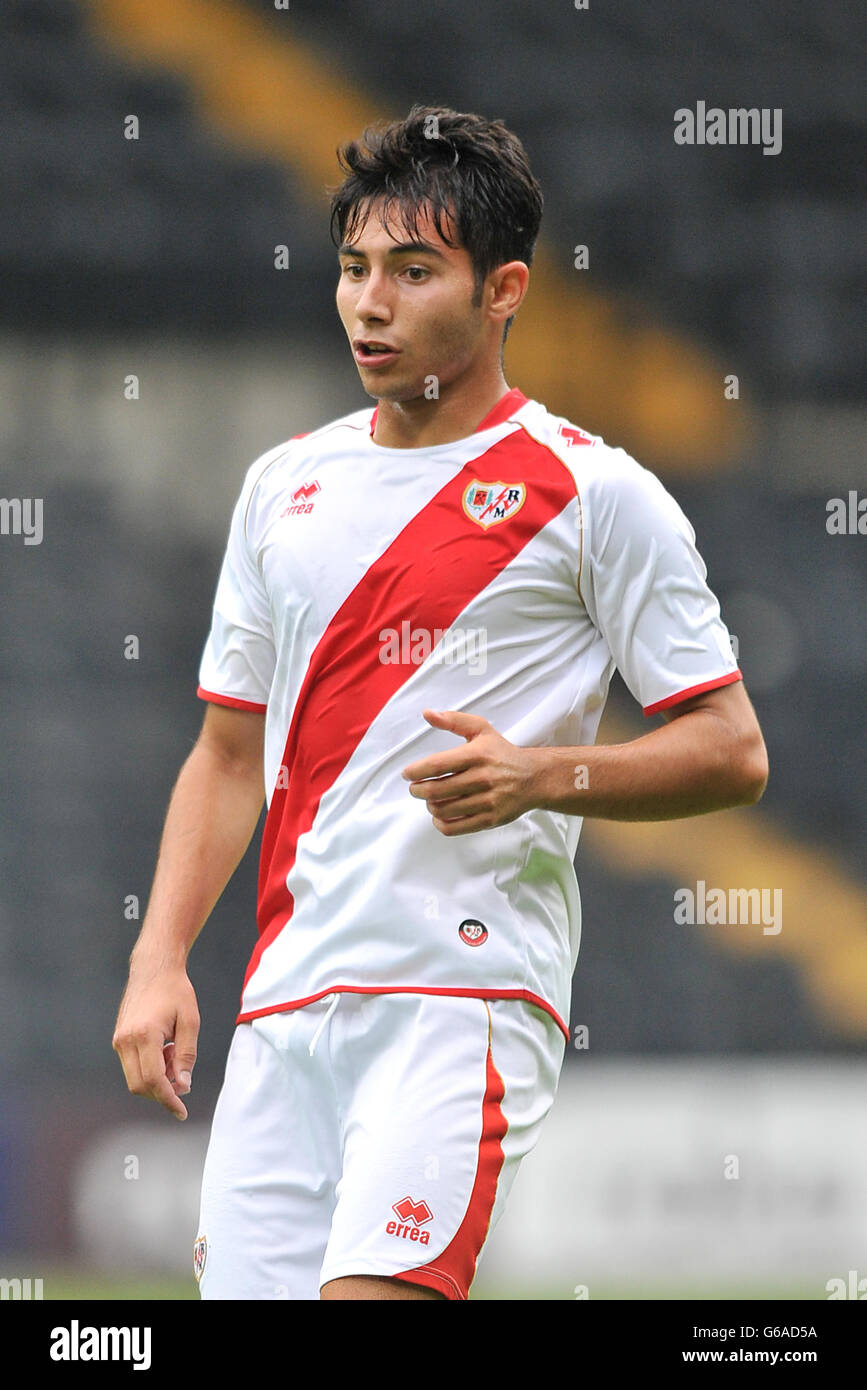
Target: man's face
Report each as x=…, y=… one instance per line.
x=414, y=296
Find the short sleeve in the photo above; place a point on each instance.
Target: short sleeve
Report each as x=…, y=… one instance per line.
x=237, y=665
x=646, y=590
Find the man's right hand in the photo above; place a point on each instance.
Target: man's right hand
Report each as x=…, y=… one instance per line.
x=155, y=1035
x=211, y=818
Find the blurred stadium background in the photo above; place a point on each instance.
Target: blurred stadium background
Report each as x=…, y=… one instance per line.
x=153, y=156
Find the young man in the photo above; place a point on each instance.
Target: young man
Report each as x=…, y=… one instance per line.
x=417, y=618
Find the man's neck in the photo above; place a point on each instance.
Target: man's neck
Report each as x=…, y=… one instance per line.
x=416, y=423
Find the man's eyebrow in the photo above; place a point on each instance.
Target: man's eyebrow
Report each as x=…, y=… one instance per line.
x=402, y=248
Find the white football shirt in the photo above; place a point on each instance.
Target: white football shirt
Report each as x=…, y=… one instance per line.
x=505, y=574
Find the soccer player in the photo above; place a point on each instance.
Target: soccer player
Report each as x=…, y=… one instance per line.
x=417, y=618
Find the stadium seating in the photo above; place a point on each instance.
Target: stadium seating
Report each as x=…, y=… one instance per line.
x=175, y=234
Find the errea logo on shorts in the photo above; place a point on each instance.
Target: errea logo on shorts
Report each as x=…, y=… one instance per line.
x=416, y=1213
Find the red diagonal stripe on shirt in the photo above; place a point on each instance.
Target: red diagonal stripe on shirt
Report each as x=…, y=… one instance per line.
x=428, y=574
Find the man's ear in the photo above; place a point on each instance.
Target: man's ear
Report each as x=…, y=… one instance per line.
x=505, y=289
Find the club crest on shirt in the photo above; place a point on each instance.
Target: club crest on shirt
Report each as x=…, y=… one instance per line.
x=200, y=1254
x=489, y=503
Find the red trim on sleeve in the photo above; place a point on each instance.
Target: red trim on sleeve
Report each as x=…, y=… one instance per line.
x=693, y=690
x=453, y=1271
x=230, y=700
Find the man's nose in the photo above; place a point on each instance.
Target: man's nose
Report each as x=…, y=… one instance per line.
x=374, y=302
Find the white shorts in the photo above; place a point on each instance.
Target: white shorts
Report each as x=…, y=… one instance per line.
x=370, y=1134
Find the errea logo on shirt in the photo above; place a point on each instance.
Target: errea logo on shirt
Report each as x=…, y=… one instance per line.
x=573, y=435
x=301, y=499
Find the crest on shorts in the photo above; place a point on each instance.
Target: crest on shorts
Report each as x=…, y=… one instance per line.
x=473, y=932
x=200, y=1254
x=489, y=503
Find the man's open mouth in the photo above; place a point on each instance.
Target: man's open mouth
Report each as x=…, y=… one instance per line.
x=365, y=349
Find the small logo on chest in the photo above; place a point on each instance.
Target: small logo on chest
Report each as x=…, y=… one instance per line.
x=472, y=932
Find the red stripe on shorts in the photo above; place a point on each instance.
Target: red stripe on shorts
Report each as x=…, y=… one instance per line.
x=453, y=1271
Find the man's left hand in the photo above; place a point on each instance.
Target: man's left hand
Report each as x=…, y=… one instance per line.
x=486, y=783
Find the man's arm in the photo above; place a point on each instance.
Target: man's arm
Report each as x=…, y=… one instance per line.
x=709, y=755
x=212, y=814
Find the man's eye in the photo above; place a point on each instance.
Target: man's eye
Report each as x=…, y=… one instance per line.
x=420, y=269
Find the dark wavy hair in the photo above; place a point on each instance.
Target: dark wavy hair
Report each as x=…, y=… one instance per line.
x=457, y=165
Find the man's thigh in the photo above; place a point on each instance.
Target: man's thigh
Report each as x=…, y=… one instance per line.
x=272, y=1166
x=444, y=1097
